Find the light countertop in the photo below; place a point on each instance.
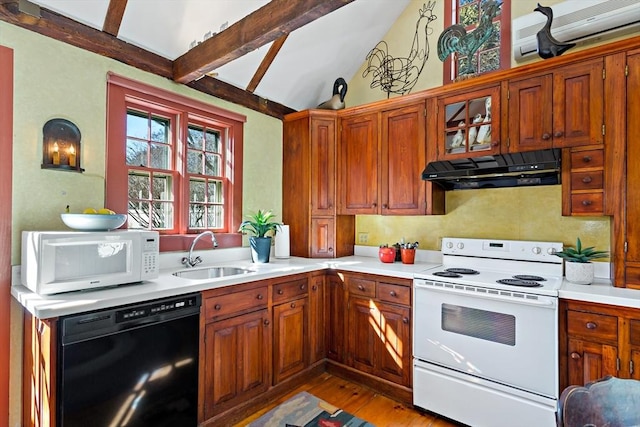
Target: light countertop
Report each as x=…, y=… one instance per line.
x=365, y=260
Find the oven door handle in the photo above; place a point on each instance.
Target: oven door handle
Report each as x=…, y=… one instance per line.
x=541, y=301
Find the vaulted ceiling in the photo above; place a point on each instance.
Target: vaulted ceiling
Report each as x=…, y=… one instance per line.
x=275, y=56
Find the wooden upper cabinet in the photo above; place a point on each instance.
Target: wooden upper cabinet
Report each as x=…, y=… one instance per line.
x=323, y=175
x=403, y=149
x=358, y=164
x=469, y=124
x=632, y=194
x=557, y=110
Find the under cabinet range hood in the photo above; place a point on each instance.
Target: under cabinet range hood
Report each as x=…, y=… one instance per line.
x=529, y=168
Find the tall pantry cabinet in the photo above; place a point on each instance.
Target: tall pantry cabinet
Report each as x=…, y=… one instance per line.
x=309, y=187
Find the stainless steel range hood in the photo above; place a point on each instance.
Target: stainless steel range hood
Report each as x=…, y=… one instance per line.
x=529, y=168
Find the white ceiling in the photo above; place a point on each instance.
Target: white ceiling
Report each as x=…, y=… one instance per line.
x=303, y=72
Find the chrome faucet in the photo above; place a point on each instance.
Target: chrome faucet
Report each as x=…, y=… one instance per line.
x=190, y=261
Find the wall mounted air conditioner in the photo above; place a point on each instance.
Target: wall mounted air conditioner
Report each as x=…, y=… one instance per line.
x=578, y=21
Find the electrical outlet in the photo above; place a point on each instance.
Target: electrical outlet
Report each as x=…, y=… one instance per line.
x=363, y=238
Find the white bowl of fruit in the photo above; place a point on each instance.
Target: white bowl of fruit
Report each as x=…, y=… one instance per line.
x=94, y=220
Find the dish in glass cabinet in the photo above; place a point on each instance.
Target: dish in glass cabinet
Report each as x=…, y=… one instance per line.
x=93, y=222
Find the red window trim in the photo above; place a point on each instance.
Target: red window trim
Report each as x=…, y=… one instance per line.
x=505, y=36
x=119, y=90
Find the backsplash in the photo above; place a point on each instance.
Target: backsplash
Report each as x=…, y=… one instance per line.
x=525, y=213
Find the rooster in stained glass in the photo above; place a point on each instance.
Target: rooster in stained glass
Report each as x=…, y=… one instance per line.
x=456, y=39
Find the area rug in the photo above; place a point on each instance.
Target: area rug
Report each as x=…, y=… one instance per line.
x=306, y=410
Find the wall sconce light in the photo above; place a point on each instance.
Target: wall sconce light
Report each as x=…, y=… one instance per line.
x=61, y=145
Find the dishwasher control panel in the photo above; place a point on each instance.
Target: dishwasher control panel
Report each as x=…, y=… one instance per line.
x=155, y=308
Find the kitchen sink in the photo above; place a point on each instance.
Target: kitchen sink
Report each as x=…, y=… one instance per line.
x=211, y=272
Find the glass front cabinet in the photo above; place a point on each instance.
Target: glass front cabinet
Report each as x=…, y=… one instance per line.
x=469, y=124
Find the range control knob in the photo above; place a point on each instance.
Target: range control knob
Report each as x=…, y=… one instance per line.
x=536, y=250
x=449, y=245
x=460, y=245
x=551, y=251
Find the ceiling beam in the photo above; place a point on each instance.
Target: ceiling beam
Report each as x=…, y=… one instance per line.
x=61, y=28
x=266, y=63
x=113, y=19
x=273, y=20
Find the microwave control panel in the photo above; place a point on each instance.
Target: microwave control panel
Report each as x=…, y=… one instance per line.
x=150, y=256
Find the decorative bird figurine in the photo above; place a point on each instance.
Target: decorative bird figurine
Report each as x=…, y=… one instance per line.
x=455, y=38
x=458, y=138
x=473, y=131
x=337, y=100
x=548, y=46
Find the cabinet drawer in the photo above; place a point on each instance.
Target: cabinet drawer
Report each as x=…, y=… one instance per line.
x=586, y=180
x=362, y=287
x=287, y=290
x=395, y=294
x=634, y=332
x=237, y=302
x=597, y=327
x=587, y=159
x=587, y=203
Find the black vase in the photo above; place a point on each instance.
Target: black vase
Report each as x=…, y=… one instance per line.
x=260, y=249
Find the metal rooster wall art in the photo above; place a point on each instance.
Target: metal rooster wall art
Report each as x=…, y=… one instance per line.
x=455, y=38
x=399, y=75
x=548, y=46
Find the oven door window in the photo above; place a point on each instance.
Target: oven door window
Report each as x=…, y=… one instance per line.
x=483, y=324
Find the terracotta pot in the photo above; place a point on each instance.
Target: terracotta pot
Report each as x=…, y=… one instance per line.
x=408, y=255
x=580, y=273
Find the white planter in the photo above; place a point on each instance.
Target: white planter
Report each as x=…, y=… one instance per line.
x=580, y=273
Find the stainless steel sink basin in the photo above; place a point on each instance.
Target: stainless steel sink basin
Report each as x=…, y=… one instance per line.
x=210, y=272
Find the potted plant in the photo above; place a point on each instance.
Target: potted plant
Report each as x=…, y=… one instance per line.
x=578, y=266
x=260, y=224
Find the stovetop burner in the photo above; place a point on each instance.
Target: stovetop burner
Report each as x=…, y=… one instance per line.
x=446, y=274
x=519, y=282
x=461, y=270
x=529, y=277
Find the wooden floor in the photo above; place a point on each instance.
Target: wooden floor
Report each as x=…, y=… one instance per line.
x=362, y=402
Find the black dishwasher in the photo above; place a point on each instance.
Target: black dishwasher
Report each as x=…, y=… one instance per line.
x=134, y=365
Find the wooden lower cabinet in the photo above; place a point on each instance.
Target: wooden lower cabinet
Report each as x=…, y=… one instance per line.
x=598, y=340
x=237, y=359
x=335, y=310
x=317, y=346
x=291, y=335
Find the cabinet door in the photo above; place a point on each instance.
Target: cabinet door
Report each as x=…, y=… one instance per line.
x=589, y=361
x=323, y=174
x=322, y=237
x=335, y=312
x=237, y=360
x=469, y=124
x=632, y=238
x=358, y=160
x=290, y=341
x=578, y=109
x=403, y=148
x=316, y=319
x=394, y=362
x=362, y=341
x=530, y=114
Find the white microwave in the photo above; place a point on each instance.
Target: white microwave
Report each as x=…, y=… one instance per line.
x=64, y=261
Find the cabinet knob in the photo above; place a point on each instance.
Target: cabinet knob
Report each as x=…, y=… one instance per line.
x=217, y=307
x=558, y=134
x=393, y=294
x=330, y=249
x=259, y=296
x=575, y=356
x=266, y=322
x=546, y=136
x=314, y=287
x=280, y=292
x=586, y=202
x=586, y=159
x=587, y=179
x=591, y=325
x=385, y=206
x=303, y=287
x=374, y=205
x=293, y=305
x=360, y=288
x=405, y=320
x=495, y=143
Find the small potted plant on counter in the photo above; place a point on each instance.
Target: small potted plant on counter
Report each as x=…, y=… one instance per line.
x=260, y=224
x=578, y=266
